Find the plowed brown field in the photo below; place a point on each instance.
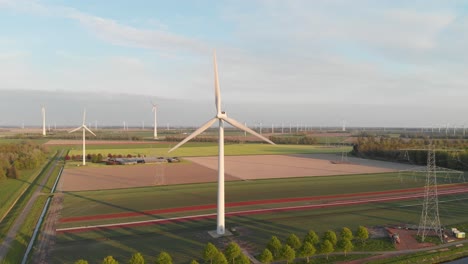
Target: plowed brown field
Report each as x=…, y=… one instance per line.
x=204, y=169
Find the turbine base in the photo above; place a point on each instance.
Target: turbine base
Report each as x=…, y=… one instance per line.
x=214, y=234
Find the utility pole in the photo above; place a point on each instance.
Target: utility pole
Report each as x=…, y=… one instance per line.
x=430, y=220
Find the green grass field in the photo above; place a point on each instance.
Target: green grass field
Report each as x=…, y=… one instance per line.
x=158, y=197
x=185, y=240
x=10, y=188
x=207, y=149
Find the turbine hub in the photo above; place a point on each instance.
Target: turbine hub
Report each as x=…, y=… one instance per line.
x=221, y=115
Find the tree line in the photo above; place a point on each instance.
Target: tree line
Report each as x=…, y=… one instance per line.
x=398, y=149
x=274, y=251
x=20, y=156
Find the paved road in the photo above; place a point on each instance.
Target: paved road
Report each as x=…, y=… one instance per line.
x=10, y=237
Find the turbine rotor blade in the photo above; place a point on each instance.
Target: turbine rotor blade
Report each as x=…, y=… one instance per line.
x=84, y=117
x=85, y=127
x=242, y=127
x=195, y=133
x=217, y=91
x=76, y=129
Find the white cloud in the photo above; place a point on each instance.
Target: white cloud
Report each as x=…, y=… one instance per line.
x=118, y=34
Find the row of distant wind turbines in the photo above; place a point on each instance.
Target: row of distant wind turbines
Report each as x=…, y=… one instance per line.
x=154, y=109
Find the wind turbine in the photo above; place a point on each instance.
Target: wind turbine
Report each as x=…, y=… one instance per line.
x=84, y=127
x=221, y=117
x=155, y=133
x=43, y=121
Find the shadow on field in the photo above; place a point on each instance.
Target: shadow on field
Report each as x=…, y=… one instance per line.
x=125, y=209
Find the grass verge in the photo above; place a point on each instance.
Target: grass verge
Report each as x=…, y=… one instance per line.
x=15, y=211
x=19, y=245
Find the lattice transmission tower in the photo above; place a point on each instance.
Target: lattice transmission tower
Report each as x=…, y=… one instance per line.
x=430, y=221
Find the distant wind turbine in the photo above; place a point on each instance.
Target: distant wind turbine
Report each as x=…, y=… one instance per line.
x=43, y=121
x=155, y=132
x=84, y=128
x=221, y=117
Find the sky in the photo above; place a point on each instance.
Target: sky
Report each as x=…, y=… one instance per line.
x=273, y=56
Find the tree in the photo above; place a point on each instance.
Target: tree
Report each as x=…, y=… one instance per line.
x=307, y=250
x=266, y=257
x=81, y=261
x=346, y=233
x=288, y=253
x=109, y=260
x=210, y=252
x=293, y=241
x=163, y=258
x=326, y=247
x=12, y=173
x=232, y=251
x=362, y=234
x=274, y=246
x=137, y=258
x=242, y=259
x=312, y=237
x=194, y=261
x=220, y=258
x=330, y=236
x=346, y=245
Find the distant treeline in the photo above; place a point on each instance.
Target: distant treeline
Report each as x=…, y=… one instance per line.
x=100, y=136
x=299, y=140
x=398, y=149
x=202, y=139
x=20, y=156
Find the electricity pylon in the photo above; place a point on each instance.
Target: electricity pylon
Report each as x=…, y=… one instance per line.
x=430, y=220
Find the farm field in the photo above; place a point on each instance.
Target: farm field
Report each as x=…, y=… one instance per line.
x=185, y=240
x=84, y=203
x=204, y=169
x=208, y=149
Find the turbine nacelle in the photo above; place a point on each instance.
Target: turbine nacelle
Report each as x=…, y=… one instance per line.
x=221, y=115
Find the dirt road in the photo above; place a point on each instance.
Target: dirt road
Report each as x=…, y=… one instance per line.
x=46, y=239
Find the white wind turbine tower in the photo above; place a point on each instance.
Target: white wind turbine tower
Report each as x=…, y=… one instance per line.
x=155, y=133
x=221, y=117
x=84, y=128
x=43, y=121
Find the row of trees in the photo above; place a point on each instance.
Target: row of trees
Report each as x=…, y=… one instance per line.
x=311, y=244
x=96, y=158
x=294, y=140
x=20, y=156
x=204, y=139
x=274, y=251
x=211, y=254
x=393, y=149
x=64, y=135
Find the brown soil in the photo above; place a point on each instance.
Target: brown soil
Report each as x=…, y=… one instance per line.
x=281, y=166
x=204, y=169
x=407, y=240
x=121, y=176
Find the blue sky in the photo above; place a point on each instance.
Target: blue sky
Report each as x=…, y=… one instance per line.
x=328, y=52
